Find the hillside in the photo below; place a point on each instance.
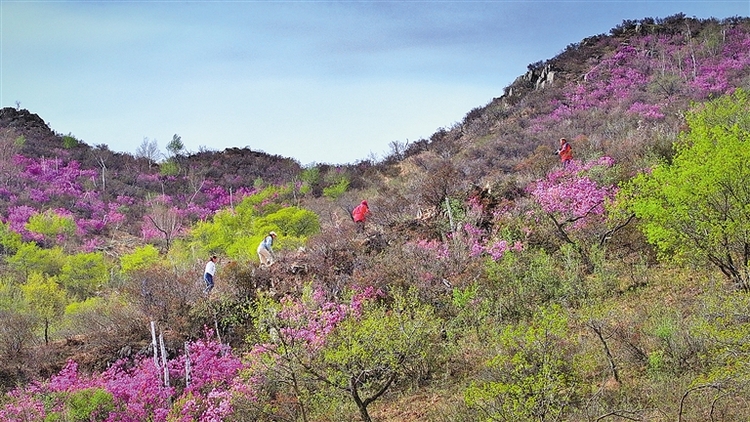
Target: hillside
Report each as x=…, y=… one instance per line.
x=491, y=281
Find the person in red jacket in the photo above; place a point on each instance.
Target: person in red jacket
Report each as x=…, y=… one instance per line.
x=360, y=214
x=565, y=152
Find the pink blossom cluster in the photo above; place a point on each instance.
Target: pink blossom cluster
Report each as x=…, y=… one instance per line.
x=138, y=391
x=714, y=71
x=571, y=195
x=309, y=322
x=437, y=249
x=480, y=244
x=648, y=111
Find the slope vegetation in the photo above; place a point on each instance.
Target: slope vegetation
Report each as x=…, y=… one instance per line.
x=491, y=282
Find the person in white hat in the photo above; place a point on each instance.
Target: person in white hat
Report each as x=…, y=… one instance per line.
x=265, y=250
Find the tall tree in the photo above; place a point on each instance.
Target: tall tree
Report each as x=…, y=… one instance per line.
x=176, y=146
x=45, y=298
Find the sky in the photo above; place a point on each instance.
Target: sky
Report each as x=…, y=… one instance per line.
x=318, y=81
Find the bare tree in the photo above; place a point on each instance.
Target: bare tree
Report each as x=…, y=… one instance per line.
x=148, y=149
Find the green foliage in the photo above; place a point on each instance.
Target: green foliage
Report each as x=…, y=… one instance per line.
x=238, y=233
x=697, y=209
x=337, y=189
x=657, y=365
x=725, y=330
x=292, y=221
x=386, y=342
x=10, y=241
x=175, y=146
x=474, y=311
x=532, y=378
x=219, y=234
x=44, y=298
x=85, y=405
x=84, y=273
x=268, y=200
x=233, y=315
x=313, y=350
x=521, y=281
x=51, y=225
x=140, y=259
x=115, y=312
x=92, y=304
x=31, y=258
x=310, y=178
x=11, y=295
x=69, y=141
x=169, y=168
x=336, y=183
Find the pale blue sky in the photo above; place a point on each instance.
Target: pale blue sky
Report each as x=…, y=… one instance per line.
x=319, y=81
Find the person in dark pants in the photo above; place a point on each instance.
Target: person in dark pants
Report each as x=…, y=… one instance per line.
x=208, y=274
x=359, y=215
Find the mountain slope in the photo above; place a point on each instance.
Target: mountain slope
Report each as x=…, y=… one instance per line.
x=492, y=283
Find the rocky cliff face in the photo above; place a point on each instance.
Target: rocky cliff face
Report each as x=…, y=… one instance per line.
x=24, y=123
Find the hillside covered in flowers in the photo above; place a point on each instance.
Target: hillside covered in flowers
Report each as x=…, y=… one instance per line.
x=491, y=281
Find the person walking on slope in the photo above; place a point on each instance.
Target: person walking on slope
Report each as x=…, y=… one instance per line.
x=265, y=250
x=208, y=274
x=359, y=215
x=565, y=152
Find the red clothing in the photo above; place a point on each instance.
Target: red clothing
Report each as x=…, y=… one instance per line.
x=565, y=152
x=360, y=212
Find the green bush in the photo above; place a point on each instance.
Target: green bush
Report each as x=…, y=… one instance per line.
x=69, y=141
x=87, y=405
x=169, y=168
x=533, y=377
x=337, y=188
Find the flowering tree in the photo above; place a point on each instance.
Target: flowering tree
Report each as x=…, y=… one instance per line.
x=358, y=349
x=574, y=201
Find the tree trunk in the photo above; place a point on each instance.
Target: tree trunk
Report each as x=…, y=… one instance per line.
x=360, y=404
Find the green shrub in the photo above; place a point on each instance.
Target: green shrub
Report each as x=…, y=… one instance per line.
x=337, y=188
x=533, y=377
x=69, y=141
x=141, y=258
x=169, y=168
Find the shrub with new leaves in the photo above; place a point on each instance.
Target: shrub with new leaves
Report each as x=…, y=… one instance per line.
x=358, y=348
x=532, y=377
x=237, y=233
x=695, y=208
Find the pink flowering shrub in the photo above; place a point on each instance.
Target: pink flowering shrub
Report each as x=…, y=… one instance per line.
x=137, y=389
x=570, y=196
x=309, y=320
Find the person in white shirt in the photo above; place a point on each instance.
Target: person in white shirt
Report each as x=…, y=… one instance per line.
x=265, y=250
x=208, y=275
